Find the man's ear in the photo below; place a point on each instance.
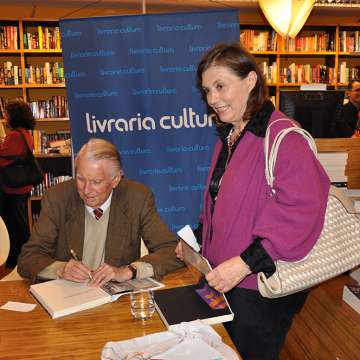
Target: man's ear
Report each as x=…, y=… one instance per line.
x=117, y=178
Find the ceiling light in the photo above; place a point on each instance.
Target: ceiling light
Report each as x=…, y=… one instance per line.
x=287, y=17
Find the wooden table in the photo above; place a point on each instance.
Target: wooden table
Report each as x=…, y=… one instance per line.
x=326, y=328
x=34, y=335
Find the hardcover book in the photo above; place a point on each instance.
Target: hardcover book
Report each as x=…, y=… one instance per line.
x=351, y=295
x=62, y=297
x=213, y=310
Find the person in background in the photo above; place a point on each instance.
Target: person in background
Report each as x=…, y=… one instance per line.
x=91, y=227
x=244, y=226
x=13, y=207
x=350, y=120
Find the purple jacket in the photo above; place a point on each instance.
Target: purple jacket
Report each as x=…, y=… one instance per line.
x=289, y=222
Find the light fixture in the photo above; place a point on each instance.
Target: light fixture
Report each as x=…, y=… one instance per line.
x=287, y=17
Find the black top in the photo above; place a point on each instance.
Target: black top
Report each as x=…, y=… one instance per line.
x=346, y=127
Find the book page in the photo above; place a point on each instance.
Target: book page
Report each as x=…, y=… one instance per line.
x=114, y=287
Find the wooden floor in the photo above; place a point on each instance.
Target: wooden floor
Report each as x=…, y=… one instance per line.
x=326, y=328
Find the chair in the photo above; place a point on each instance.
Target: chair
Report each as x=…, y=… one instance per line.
x=4, y=252
x=12, y=276
x=4, y=242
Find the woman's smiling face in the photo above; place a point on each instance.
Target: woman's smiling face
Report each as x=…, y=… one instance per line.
x=226, y=93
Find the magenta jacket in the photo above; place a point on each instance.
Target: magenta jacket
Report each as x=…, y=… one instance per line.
x=289, y=222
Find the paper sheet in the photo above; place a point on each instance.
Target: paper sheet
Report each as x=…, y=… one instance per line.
x=188, y=236
x=18, y=306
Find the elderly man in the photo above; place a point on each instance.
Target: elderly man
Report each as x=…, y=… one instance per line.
x=91, y=227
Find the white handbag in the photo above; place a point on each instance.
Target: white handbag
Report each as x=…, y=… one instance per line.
x=338, y=247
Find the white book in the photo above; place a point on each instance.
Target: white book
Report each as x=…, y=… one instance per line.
x=351, y=295
x=62, y=297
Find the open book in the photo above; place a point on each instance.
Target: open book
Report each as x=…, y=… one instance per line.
x=62, y=297
x=198, y=301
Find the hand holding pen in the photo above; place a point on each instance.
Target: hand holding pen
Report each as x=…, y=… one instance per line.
x=76, y=270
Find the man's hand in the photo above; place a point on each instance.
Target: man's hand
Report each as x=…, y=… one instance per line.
x=106, y=272
x=228, y=274
x=75, y=271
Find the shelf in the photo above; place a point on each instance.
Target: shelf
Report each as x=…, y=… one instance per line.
x=10, y=86
x=52, y=119
x=43, y=51
x=43, y=155
x=34, y=86
x=309, y=53
x=349, y=53
x=10, y=51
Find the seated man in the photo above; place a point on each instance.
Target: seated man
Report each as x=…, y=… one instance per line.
x=99, y=218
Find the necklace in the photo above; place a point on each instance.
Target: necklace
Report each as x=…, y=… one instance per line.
x=232, y=138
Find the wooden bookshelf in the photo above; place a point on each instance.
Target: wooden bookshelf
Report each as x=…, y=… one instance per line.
x=335, y=46
x=31, y=56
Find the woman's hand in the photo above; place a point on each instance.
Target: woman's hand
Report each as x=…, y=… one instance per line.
x=228, y=274
x=179, y=251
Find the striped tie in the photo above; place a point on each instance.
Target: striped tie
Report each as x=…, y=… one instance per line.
x=98, y=213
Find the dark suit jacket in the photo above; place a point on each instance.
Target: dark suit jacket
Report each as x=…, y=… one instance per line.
x=133, y=215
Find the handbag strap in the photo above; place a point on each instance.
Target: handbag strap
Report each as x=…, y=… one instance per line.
x=271, y=154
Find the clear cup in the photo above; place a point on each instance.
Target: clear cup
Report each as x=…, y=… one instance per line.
x=142, y=304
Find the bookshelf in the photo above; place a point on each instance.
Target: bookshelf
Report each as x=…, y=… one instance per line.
x=327, y=54
x=31, y=68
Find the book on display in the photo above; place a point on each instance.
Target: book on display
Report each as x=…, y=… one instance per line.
x=63, y=297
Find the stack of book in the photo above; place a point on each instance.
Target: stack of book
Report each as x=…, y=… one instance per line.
x=334, y=164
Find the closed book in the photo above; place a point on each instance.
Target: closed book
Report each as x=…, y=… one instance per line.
x=184, y=304
x=62, y=297
x=351, y=295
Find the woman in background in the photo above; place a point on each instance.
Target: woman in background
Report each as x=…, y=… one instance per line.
x=19, y=118
x=244, y=227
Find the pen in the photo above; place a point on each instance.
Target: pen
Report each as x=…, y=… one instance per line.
x=75, y=257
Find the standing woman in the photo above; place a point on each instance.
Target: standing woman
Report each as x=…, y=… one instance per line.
x=19, y=118
x=245, y=227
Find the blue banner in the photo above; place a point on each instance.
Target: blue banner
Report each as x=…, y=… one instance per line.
x=132, y=80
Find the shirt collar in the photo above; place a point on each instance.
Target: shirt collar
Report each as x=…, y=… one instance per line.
x=103, y=207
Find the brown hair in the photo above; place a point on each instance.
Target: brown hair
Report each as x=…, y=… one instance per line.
x=19, y=114
x=234, y=57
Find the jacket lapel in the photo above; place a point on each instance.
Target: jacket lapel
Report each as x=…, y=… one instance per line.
x=75, y=225
x=118, y=226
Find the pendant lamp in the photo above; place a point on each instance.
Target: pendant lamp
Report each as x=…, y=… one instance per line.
x=287, y=17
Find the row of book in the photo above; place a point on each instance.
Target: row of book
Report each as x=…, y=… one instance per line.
x=255, y=40
x=44, y=38
x=306, y=73
x=50, y=73
x=55, y=107
x=349, y=41
x=49, y=180
x=347, y=74
x=10, y=74
x=9, y=37
x=269, y=71
x=50, y=142
x=319, y=41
